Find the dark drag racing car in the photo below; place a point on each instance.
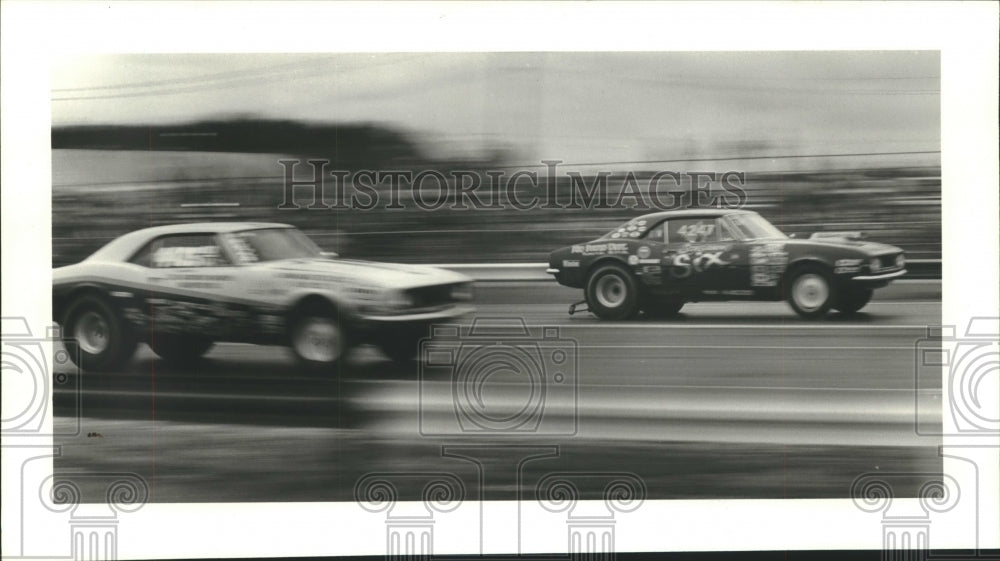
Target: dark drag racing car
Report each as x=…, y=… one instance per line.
x=657, y=262
x=181, y=288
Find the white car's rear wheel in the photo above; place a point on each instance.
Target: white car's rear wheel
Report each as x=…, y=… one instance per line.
x=95, y=336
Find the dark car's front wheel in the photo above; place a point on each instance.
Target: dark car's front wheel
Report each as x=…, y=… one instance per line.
x=96, y=338
x=853, y=300
x=810, y=291
x=612, y=293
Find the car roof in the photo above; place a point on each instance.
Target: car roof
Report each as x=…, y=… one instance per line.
x=692, y=212
x=208, y=228
x=125, y=246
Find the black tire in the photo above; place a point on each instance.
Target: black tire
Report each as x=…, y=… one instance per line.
x=810, y=291
x=95, y=336
x=181, y=349
x=663, y=308
x=320, y=341
x=612, y=293
x=853, y=300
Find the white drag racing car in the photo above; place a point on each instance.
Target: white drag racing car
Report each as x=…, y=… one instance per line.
x=182, y=288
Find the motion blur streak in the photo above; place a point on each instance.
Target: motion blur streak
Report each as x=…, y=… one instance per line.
x=793, y=410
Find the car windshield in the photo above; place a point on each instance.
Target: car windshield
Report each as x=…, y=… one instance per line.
x=271, y=244
x=752, y=226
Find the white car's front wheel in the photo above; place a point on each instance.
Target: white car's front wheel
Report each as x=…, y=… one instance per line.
x=319, y=341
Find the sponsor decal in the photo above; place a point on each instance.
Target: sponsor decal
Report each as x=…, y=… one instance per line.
x=738, y=292
x=600, y=248
x=649, y=261
x=697, y=231
x=652, y=274
x=684, y=264
x=570, y=263
x=767, y=263
x=847, y=266
x=643, y=252
x=633, y=260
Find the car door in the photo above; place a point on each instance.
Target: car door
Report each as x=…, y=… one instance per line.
x=702, y=256
x=189, y=279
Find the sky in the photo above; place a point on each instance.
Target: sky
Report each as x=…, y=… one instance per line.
x=576, y=106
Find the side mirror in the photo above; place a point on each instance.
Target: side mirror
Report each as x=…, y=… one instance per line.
x=328, y=255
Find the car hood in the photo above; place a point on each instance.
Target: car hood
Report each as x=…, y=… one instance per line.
x=872, y=249
x=370, y=273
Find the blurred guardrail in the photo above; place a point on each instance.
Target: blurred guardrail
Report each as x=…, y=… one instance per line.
x=929, y=269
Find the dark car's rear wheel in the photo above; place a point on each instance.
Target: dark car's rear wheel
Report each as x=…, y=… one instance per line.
x=810, y=291
x=853, y=300
x=96, y=338
x=319, y=342
x=662, y=309
x=612, y=293
x=179, y=348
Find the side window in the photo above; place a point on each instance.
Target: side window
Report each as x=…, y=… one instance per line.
x=725, y=233
x=655, y=234
x=187, y=250
x=692, y=230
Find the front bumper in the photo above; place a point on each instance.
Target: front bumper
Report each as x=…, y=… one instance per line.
x=449, y=313
x=880, y=278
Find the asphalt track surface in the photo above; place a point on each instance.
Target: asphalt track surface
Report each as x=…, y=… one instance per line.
x=727, y=400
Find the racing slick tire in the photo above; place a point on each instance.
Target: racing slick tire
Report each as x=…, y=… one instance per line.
x=180, y=349
x=851, y=301
x=810, y=291
x=95, y=336
x=612, y=293
x=662, y=309
x=319, y=341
